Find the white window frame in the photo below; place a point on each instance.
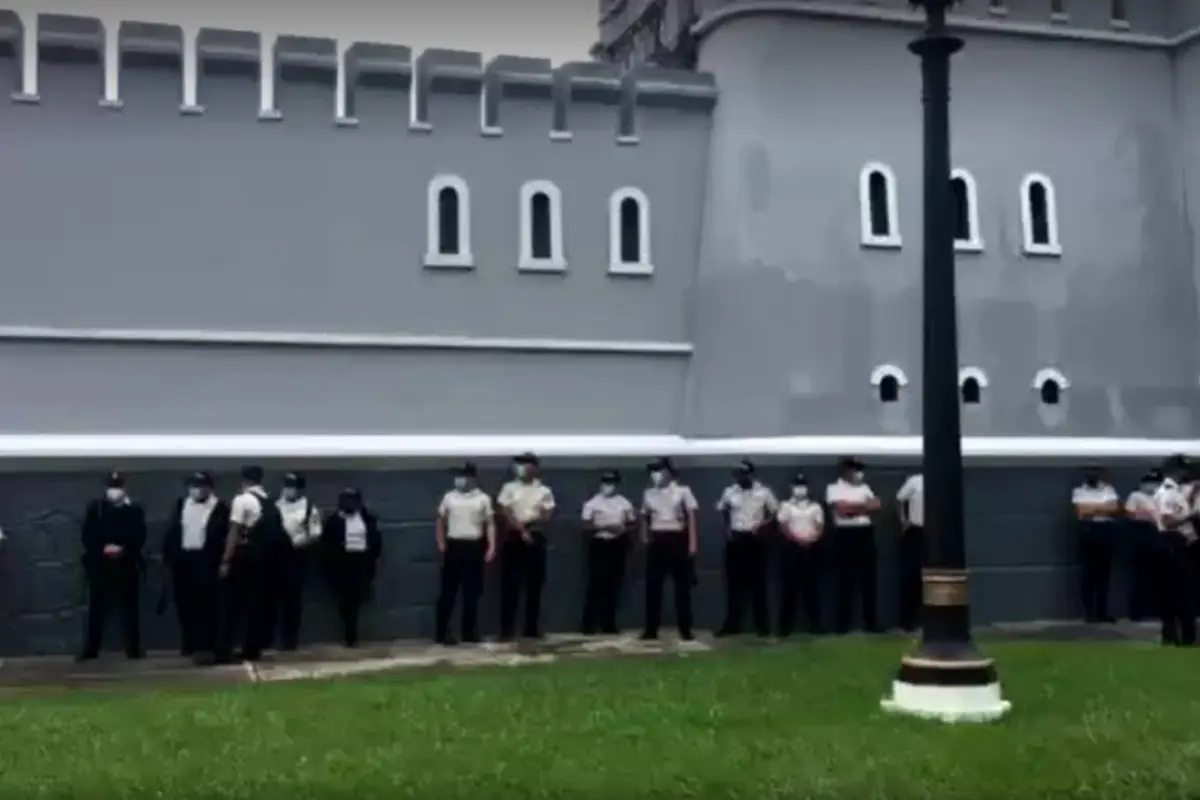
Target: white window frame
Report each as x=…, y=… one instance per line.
x=1032, y=248
x=558, y=260
x=1047, y=374
x=644, y=265
x=463, y=259
x=884, y=371
x=974, y=243
x=892, y=240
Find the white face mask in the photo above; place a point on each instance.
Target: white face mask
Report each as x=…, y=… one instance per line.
x=607, y=489
x=460, y=483
x=114, y=494
x=657, y=478
x=520, y=470
x=800, y=492
x=858, y=477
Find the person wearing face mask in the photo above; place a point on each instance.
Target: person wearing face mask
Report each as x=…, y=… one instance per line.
x=352, y=545
x=1177, y=538
x=302, y=523
x=192, y=547
x=747, y=508
x=670, y=536
x=527, y=505
x=802, y=522
x=465, y=534
x=607, y=516
x=911, y=507
x=852, y=503
x=1096, y=505
x=113, y=536
x=1143, y=541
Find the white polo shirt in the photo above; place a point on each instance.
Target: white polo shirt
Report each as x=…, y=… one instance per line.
x=527, y=502
x=913, y=493
x=747, y=508
x=303, y=529
x=247, y=508
x=193, y=520
x=606, y=513
x=801, y=520
x=468, y=515
x=1100, y=493
x=842, y=491
x=666, y=507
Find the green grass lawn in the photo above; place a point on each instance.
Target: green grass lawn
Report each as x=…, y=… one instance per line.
x=1117, y=721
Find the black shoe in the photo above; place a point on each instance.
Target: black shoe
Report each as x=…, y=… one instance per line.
x=249, y=655
x=610, y=630
x=763, y=634
x=86, y=655
x=471, y=638
x=504, y=638
x=447, y=641
x=135, y=655
x=724, y=632
x=687, y=636
x=187, y=652
x=289, y=647
x=587, y=631
x=649, y=636
x=533, y=635
x=207, y=660
x=1105, y=619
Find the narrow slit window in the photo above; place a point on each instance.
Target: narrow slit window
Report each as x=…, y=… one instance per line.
x=1051, y=392
x=1058, y=8
x=889, y=389
x=960, y=195
x=972, y=392
x=878, y=190
x=448, y=221
x=631, y=231
x=1119, y=13
x=540, y=222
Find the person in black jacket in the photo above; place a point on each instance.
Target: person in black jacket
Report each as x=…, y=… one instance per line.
x=351, y=546
x=113, y=534
x=192, y=548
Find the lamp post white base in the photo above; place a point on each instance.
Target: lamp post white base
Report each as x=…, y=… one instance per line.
x=947, y=703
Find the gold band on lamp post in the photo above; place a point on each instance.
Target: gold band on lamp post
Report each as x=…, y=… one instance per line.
x=944, y=588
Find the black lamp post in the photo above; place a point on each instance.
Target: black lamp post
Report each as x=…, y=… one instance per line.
x=946, y=678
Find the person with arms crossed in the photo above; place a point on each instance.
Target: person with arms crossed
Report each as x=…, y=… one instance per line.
x=747, y=508
x=852, y=503
x=1096, y=505
x=802, y=522
x=465, y=534
x=911, y=508
x=527, y=505
x=669, y=534
x=607, y=517
x=192, y=549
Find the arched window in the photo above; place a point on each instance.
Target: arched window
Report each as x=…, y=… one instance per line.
x=877, y=198
x=1039, y=216
x=964, y=196
x=1058, y=10
x=888, y=380
x=541, y=228
x=1050, y=384
x=629, y=233
x=448, y=232
x=1119, y=14
x=971, y=383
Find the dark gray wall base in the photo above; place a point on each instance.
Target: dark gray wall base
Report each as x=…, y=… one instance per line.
x=1020, y=547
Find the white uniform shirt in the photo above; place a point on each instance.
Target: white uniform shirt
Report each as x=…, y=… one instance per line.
x=526, y=502
x=194, y=523
x=913, y=493
x=303, y=529
x=842, y=491
x=1100, y=493
x=667, y=507
x=801, y=520
x=747, y=508
x=1171, y=500
x=246, y=509
x=607, y=513
x=1139, y=504
x=468, y=515
x=356, y=533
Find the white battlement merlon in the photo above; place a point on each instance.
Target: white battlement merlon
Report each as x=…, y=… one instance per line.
x=29, y=58
x=268, y=58
x=112, y=64
x=190, y=62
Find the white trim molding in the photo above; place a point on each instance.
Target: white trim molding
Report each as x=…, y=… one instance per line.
x=557, y=262
x=967, y=373
x=348, y=341
x=888, y=371
x=434, y=257
x=1048, y=374
x=616, y=231
x=974, y=241
x=1053, y=245
x=892, y=238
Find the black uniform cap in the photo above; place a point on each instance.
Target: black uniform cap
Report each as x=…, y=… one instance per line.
x=610, y=476
x=294, y=480
x=745, y=466
x=252, y=474
x=350, y=493
x=202, y=479
x=663, y=464
x=850, y=462
x=527, y=458
x=114, y=480
x=467, y=470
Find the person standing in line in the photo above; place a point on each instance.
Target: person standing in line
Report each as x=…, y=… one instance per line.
x=465, y=534
x=302, y=523
x=911, y=500
x=852, y=503
x=1143, y=544
x=607, y=516
x=1176, y=577
x=802, y=522
x=352, y=545
x=1096, y=505
x=113, y=536
x=192, y=548
x=527, y=505
x=747, y=508
x=670, y=536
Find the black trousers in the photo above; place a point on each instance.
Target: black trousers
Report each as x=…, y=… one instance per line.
x=745, y=579
x=242, y=606
x=1142, y=543
x=462, y=573
x=114, y=583
x=799, y=580
x=605, y=575
x=194, y=580
x=351, y=576
x=1096, y=543
x=1176, y=580
x=522, y=572
x=667, y=557
x=287, y=590
x=854, y=557
x=912, y=560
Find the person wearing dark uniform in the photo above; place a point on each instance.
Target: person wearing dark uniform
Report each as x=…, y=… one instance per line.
x=465, y=535
x=802, y=523
x=255, y=531
x=1176, y=575
x=1142, y=542
x=113, y=534
x=911, y=506
x=192, y=549
x=352, y=546
x=1096, y=505
x=852, y=502
x=669, y=534
x=302, y=523
x=527, y=505
x=747, y=509
x=607, y=517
